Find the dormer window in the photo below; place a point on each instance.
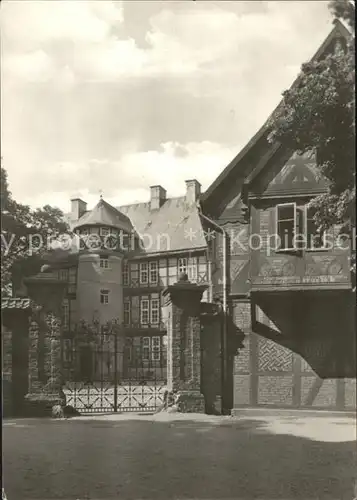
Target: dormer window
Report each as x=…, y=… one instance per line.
x=104, y=231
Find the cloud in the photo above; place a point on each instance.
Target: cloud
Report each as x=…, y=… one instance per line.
x=121, y=95
x=128, y=180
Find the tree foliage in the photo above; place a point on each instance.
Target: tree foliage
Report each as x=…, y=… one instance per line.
x=25, y=236
x=318, y=114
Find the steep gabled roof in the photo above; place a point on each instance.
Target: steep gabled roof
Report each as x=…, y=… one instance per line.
x=338, y=31
x=176, y=226
x=104, y=214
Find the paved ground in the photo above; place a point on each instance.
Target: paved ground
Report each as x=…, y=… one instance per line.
x=167, y=457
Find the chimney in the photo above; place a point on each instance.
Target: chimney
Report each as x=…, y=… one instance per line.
x=157, y=197
x=193, y=191
x=78, y=208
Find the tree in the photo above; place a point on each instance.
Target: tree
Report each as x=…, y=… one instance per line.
x=317, y=114
x=25, y=236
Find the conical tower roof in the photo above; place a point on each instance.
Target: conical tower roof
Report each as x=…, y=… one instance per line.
x=104, y=214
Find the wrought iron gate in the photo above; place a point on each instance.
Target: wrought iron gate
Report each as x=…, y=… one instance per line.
x=107, y=372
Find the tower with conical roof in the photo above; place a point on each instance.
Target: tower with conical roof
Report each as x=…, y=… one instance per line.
x=104, y=234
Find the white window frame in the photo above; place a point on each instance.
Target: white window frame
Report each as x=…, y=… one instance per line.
x=151, y=348
x=145, y=309
x=125, y=274
x=104, y=297
x=146, y=345
x=156, y=348
x=192, y=266
x=144, y=271
x=153, y=310
x=182, y=265
x=287, y=249
x=104, y=262
x=308, y=240
x=153, y=269
x=127, y=311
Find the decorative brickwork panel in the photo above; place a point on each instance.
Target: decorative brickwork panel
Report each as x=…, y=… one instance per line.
x=275, y=390
x=350, y=393
x=242, y=359
x=273, y=357
x=241, y=390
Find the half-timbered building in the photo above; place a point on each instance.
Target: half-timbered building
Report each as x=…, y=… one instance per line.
x=270, y=278
x=289, y=286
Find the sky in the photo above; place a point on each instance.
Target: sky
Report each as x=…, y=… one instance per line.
x=109, y=98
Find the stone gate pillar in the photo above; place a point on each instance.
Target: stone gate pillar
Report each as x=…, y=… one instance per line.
x=45, y=367
x=182, y=314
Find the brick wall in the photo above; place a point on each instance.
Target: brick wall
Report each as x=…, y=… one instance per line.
x=306, y=365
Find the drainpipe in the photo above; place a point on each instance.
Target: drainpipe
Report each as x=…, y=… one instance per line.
x=224, y=336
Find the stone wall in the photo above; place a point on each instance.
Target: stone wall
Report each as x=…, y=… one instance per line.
x=6, y=348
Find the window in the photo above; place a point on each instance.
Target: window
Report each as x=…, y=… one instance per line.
x=182, y=266
x=128, y=349
x=104, y=231
x=66, y=351
x=192, y=269
x=104, y=262
x=153, y=272
x=286, y=224
x=146, y=349
x=144, y=311
x=314, y=237
x=155, y=348
x=72, y=279
x=63, y=274
x=127, y=312
x=126, y=274
x=144, y=272
x=65, y=314
x=72, y=275
x=104, y=296
x=151, y=348
x=155, y=311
